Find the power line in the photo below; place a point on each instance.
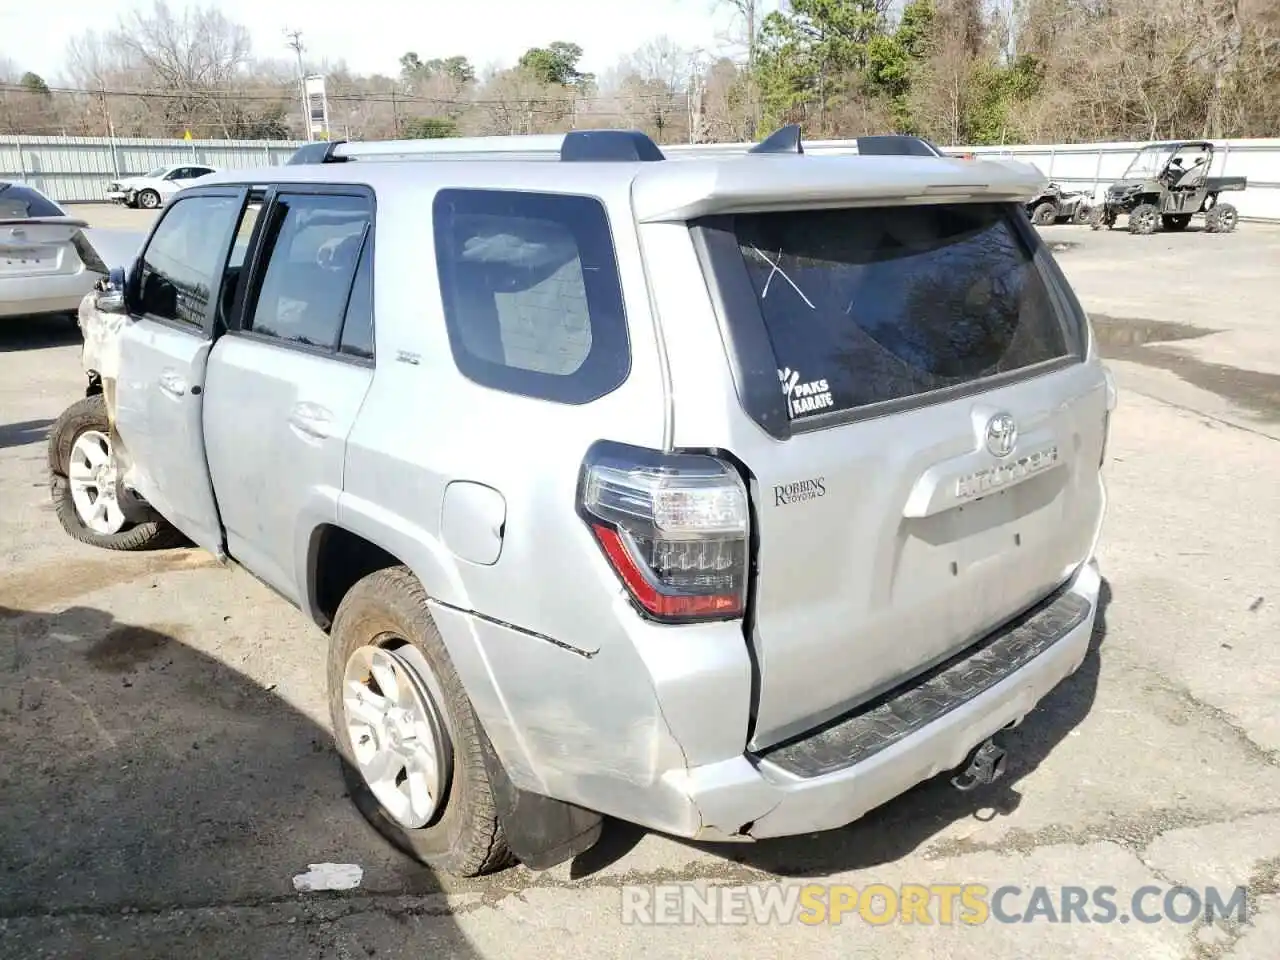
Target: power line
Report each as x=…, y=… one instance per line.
x=211, y=96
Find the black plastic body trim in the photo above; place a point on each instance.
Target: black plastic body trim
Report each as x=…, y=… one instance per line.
x=542, y=832
x=926, y=698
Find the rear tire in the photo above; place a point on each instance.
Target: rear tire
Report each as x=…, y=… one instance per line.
x=1044, y=214
x=1221, y=219
x=387, y=611
x=1143, y=219
x=83, y=425
x=1082, y=215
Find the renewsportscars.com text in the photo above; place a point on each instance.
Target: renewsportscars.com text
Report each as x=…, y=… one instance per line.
x=928, y=904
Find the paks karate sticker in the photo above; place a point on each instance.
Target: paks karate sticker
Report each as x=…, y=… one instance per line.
x=803, y=398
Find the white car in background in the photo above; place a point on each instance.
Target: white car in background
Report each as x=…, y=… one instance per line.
x=47, y=262
x=152, y=190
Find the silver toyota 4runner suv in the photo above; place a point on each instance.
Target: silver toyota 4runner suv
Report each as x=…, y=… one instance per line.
x=731, y=495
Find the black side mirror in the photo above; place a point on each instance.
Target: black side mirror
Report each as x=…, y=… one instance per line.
x=109, y=292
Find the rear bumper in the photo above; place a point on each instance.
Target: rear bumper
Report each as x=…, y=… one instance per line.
x=830, y=778
x=634, y=733
x=57, y=293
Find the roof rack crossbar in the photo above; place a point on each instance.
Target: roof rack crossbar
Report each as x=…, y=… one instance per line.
x=577, y=146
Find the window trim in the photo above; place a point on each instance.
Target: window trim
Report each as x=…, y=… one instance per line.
x=370, y=361
x=753, y=363
x=256, y=261
x=205, y=331
x=532, y=384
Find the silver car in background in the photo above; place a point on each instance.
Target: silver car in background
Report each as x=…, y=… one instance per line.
x=47, y=264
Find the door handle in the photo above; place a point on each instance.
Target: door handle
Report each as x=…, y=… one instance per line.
x=310, y=420
x=173, y=384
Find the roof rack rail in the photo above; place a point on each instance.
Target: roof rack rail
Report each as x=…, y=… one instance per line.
x=577, y=146
x=783, y=140
x=896, y=145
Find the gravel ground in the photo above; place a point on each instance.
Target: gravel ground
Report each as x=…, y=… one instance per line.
x=165, y=758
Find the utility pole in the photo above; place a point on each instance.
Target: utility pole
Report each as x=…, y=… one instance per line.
x=295, y=41
x=111, y=129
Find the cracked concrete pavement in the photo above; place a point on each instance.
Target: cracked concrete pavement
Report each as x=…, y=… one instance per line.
x=165, y=767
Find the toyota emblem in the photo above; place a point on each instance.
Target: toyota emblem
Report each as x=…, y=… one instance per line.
x=1002, y=435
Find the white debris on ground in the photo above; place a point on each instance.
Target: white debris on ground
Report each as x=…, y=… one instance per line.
x=328, y=876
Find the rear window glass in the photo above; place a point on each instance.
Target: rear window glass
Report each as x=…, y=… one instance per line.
x=19, y=203
x=864, y=306
x=532, y=299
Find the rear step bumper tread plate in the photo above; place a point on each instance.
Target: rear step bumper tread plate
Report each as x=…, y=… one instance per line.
x=855, y=737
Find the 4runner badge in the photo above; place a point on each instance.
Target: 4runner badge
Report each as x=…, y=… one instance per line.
x=804, y=397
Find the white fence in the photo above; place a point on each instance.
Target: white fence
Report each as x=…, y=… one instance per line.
x=74, y=169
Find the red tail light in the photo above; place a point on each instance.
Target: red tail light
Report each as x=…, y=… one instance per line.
x=675, y=528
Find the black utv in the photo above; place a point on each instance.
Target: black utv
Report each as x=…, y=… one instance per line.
x=1165, y=186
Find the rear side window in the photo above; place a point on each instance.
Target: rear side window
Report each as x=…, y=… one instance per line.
x=19, y=203
x=864, y=306
x=531, y=294
x=312, y=245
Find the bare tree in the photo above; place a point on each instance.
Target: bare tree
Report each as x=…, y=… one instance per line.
x=197, y=57
x=746, y=19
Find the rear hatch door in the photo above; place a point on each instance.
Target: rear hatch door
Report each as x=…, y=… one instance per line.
x=937, y=468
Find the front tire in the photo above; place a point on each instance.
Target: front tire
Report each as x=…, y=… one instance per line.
x=148, y=200
x=1045, y=214
x=83, y=484
x=1143, y=219
x=410, y=742
x=1222, y=218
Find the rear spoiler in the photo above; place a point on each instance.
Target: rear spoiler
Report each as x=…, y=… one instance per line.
x=686, y=191
x=8, y=222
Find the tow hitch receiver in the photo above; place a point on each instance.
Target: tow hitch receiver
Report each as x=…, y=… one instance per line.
x=985, y=765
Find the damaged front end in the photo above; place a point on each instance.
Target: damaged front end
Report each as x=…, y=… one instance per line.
x=102, y=318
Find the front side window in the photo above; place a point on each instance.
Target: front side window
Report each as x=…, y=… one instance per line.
x=532, y=298
x=182, y=264
x=312, y=245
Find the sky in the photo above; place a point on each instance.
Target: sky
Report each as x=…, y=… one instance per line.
x=486, y=31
